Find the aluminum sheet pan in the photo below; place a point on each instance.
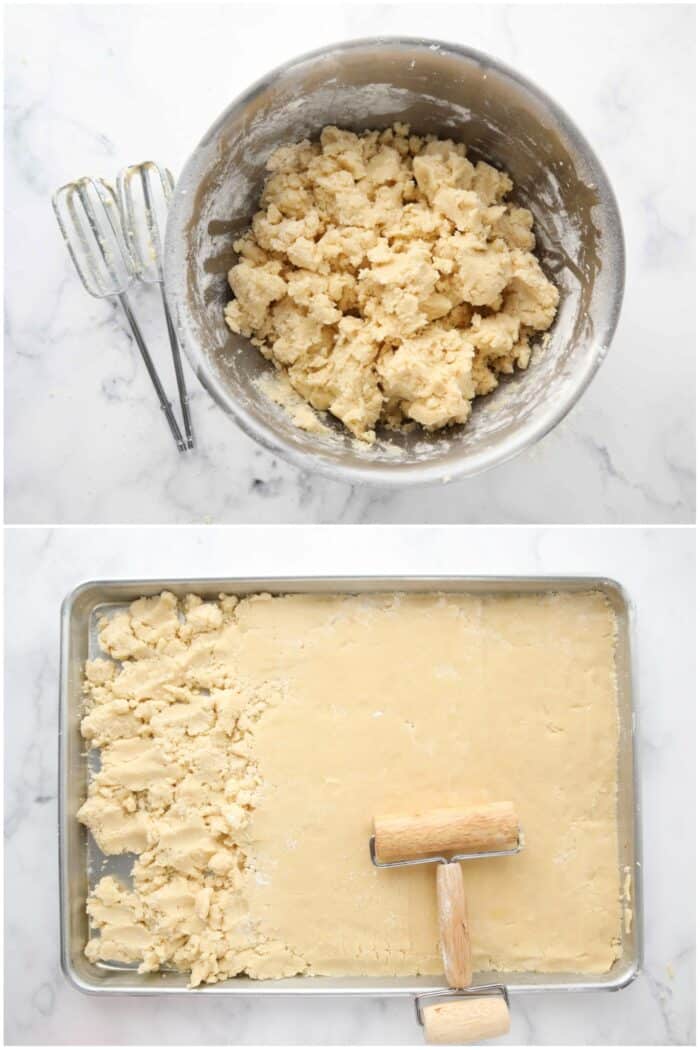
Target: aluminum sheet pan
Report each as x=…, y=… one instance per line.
x=80, y=858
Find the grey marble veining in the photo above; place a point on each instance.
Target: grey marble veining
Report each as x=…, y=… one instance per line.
x=91, y=88
x=656, y=566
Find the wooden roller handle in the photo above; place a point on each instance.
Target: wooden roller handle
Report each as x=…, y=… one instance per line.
x=455, y=943
x=472, y=829
x=466, y=1020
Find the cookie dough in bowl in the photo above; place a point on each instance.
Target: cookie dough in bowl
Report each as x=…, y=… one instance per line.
x=388, y=278
x=442, y=93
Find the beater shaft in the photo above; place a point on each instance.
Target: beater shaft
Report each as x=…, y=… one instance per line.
x=150, y=368
x=179, y=374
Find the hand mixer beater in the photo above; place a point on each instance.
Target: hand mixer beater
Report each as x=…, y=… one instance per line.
x=93, y=228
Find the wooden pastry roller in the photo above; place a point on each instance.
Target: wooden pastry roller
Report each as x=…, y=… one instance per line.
x=469, y=833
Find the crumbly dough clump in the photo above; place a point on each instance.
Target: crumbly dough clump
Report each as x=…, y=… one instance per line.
x=389, y=278
x=245, y=746
x=176, y=786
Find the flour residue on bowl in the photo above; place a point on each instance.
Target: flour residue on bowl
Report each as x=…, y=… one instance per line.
x=278, y=388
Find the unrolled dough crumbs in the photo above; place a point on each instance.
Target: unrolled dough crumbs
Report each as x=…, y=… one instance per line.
x=389, y=278
x=245, y=746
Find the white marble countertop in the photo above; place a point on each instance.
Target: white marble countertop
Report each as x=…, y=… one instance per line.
x=657, y=568
x=91, y=88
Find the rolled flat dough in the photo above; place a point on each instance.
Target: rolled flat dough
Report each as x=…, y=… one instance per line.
x=246, y=746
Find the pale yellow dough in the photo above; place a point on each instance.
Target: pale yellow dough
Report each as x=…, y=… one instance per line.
x=389, y=278
x=245, y=746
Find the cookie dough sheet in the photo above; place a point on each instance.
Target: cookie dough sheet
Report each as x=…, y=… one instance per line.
x=345, y=707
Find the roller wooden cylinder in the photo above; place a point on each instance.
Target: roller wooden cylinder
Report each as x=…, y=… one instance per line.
x=466, y=1020
x=470, y=829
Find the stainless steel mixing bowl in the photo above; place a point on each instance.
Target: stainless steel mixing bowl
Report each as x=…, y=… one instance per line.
x=449, y=91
